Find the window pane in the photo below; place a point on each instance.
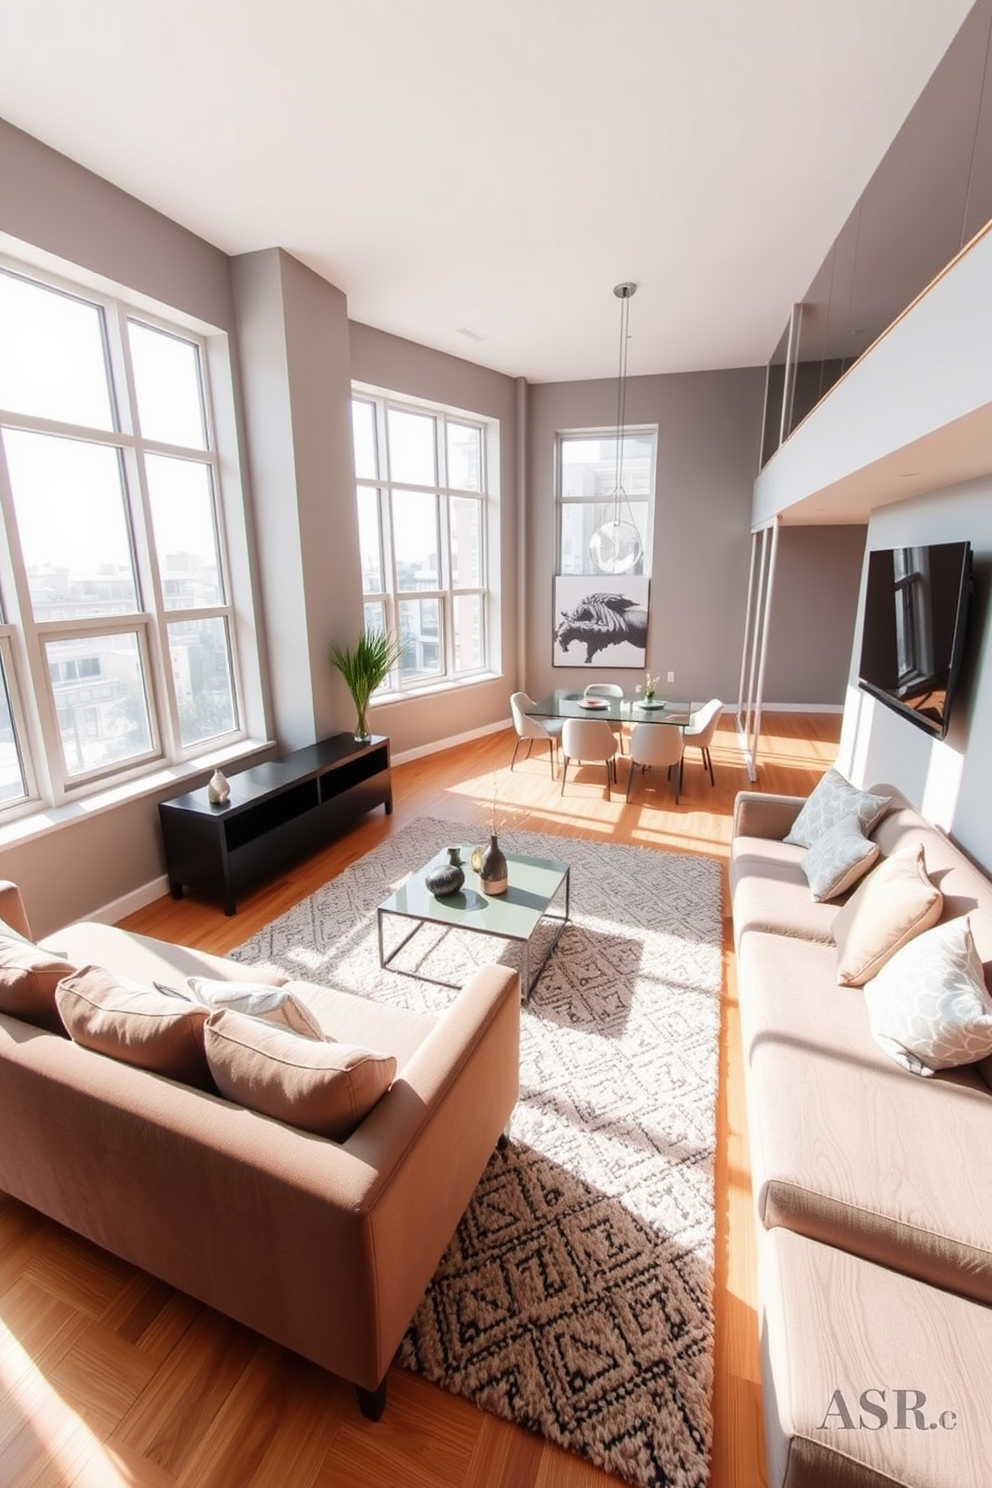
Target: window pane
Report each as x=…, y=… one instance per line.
x=369, y=543
x=415, y=542
x=579, y=520
x=167, y=386
x=200, y=656
x=374, y=616
x=589, y=465
x=464, y=457
x=465, y=520
x=12, y=784
x=420, y=636
x=467, y=621
x=73, y=526
x=411, y=447
x=101, y=699
x=52, y=358
x=182, y=504
x=363, y=434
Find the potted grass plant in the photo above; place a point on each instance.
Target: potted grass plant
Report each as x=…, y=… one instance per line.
x=364, y=667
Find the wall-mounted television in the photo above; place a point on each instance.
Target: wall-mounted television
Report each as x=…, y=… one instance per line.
x=915, y=616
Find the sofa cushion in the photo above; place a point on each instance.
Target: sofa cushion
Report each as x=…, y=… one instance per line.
x=771, y=892
x=135, y=1024
x=928, y=1006
x=836, y=1327
x=837, y=859
x=896, y=902
x=327, y=1088
x=846, y=1146
x=832, y=799
x=274, y=1005
x=29, y=976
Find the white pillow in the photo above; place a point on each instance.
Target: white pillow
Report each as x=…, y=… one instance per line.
x=271, y=1004
x=838, y=859
x=928, y=1007
x=831, y=800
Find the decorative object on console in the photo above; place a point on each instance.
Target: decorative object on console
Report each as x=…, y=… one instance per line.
x=218, y=788
x=364, y=667
x=448, y=877
x=615, y=547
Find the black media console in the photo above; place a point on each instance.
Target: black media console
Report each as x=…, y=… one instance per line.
x=276, y=813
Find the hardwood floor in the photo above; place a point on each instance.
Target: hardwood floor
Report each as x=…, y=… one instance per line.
x=109, y=1379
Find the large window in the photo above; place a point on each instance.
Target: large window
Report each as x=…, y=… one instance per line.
x=423, y=518
x=116, y=647
x=587, y=480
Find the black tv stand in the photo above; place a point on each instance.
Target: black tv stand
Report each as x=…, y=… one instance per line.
x=277, y=812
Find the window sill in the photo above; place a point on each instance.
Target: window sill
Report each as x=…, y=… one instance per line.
x=52, y=818
x=434, y=689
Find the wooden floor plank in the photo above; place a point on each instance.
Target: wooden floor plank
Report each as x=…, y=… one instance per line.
x=203, y=1401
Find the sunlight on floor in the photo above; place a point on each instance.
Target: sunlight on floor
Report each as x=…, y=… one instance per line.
x=56, y=1444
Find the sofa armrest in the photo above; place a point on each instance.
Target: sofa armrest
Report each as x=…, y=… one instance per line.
x=12, y=910
x=757, y=814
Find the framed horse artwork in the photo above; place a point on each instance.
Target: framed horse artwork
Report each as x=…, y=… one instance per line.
x=600, y=621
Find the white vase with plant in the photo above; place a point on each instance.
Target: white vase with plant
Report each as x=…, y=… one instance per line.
x=364, y=667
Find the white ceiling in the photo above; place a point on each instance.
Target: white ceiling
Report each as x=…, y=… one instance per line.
x=497, y=166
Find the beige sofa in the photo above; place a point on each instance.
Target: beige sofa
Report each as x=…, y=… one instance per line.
x=872, y=1185
x=325, y=1247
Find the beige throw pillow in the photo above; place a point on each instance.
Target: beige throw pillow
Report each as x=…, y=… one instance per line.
x=928, y=1007
x=134, y=1024
x=325, y=1088
x=896, y=902
x=28, y=979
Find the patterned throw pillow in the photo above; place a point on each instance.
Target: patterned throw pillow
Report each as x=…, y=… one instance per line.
x=837, y=859
x=259, y=1000
x=832, y=800
x=928, y=1007
x=896, y=902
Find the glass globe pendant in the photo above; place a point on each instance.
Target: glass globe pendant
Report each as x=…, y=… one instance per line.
x=615, y=547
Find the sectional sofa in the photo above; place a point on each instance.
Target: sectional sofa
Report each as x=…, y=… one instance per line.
x=872, y=1170
x=313, y=1210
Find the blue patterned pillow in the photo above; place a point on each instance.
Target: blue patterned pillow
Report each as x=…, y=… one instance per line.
x=832, y=800
x=838, y=859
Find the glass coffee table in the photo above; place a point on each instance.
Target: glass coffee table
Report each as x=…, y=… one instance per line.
x=534, y=884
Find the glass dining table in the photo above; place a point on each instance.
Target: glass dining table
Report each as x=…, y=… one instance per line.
x=565, y=702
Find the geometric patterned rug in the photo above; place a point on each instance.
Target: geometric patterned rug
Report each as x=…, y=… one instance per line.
x=576, y=1296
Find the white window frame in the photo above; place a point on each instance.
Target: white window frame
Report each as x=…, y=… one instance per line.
x=22, y=637
x=391, y=596
x=603, y=498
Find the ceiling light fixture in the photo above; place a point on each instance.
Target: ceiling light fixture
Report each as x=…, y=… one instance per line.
x=615, y=547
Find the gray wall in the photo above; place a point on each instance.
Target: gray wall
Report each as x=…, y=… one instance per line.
x=709, y=425
x=948, y=779
x=813, y=613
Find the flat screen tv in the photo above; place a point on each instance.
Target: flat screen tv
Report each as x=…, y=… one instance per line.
x=916, y=612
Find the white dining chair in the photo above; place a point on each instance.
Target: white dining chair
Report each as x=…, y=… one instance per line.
x=548, y=729
x=588, y=739
x=656, y=746
x=607, y=690
x=701, y=728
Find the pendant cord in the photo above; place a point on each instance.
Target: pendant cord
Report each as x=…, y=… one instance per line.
x=621, y=404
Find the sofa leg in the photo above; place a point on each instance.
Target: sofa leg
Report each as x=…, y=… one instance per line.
x=503, y=1140
x=372, y=1403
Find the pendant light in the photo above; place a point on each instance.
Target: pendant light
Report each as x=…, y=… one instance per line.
x=615, y=547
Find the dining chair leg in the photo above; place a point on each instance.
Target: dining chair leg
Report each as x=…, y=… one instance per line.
x=630, y=776
x=551, y=756
x=708, y=760
x=516, y=746
x=564, y=771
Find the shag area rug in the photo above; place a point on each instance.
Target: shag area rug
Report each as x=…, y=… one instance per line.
x=576, y=1296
